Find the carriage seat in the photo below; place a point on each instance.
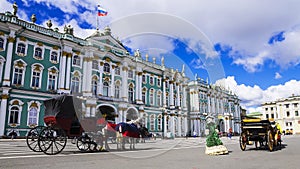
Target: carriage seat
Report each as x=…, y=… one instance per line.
x=50, y=120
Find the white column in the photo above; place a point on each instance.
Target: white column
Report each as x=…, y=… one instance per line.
x=140, y=85
x=89, y=76
x=63, y=71
x=164, y=93
x=3, y=114
x=112, y=86
x=171, y=94
x=137, y=87
x=179, y=125
x=177, y=95
x=84, y=77
x=165, y=124
x=100, y=86
x=173, y=123
x=68, y=73
x=185, y=125
x=184, y=96
x=93, y=111
x=124, y=83
x=87, y=111
x=9, y=50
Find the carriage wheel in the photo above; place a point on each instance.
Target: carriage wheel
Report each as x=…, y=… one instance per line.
x=83, y=143
x=243, y=141
x=270, y=141
x=32, y=138
x=52, y=140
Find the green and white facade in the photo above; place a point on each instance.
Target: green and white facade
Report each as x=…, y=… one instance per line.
x=37, y=63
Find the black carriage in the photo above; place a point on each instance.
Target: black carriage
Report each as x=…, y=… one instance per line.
x=62, y=119
x=259, y=132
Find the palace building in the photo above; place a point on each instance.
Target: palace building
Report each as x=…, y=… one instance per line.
x=37, y=63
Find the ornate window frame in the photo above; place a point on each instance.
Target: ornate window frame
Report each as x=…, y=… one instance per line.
x=19, y=64
x=152, y=122
x=152, y=97
x=36, y=72
x=4, y=38
x=159, y=98
x=2, y=61
x=15, y=103
x=94, y=85
x=57, y=56
x=31, y=105
x=76, y=74
x=52, y=71
x=21, y=40
x=159, y=122
x=77, y=61
x=117, y=88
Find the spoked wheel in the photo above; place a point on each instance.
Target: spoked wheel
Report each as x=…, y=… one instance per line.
x=243, y=141
x=83, y=143
x=52, y=140
x=270, y=141
x=32, y=138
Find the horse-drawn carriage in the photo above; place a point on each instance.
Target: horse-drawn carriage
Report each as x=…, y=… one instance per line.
x=64, y=119
x=260, y=132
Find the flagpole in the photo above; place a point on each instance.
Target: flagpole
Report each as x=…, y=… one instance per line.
x=97, y=27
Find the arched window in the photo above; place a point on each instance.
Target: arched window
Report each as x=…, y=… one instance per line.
x=32, y=116
x=95, y=65
x=158, y=82
x=53, y=57
x=144, y=78
x=117, y=90
x=38, y=53
x=105, y=89
x=130, y=74
x=167, y=99
x=152, y=122
x=75, y=84
x=158, y=98
x=19, y=72
x=159, y=122
x=117, y=70
x=144, y=95
x=36, y=76
x=94, y=86
x=21, y=49
x=14, y=115
x=52, y=78
x=76, y=60
x=1, y=44
x=151, y=97
x=151, y=80
x=106, y=67
x=130, y=94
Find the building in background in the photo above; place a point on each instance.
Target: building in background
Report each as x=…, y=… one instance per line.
x=37, y=63
x=284, y=111
x=210, y=100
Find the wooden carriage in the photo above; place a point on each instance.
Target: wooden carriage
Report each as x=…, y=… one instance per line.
x=260, y=132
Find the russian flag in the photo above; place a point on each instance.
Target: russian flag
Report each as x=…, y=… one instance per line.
x=101, y=11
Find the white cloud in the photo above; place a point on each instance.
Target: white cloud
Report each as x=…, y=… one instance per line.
x=5, y=6
x=254, y=96
x=277, y=75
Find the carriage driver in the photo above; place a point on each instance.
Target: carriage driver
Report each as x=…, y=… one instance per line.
x=278, y=127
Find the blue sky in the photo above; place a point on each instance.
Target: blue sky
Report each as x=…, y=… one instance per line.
x=256, y=42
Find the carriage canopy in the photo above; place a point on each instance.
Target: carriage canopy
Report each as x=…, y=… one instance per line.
x=65, y=106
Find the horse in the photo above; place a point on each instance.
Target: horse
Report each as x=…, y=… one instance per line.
x=124, y=132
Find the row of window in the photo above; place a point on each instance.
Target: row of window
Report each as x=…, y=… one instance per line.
x=36, y=75
x=295, y=105
x=38, y=52
x=288, y=114
x=15, y=110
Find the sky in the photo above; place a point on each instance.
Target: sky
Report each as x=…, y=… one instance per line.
x=250, y=47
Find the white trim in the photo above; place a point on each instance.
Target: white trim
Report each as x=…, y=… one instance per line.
x=81, y=60
x=43, y=51
x=26, y=47
x=2, y=60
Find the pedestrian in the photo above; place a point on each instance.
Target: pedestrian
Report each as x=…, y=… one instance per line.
x=230, y=133
x=194, y=134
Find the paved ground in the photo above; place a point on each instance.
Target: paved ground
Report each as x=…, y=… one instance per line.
x=178, y=153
